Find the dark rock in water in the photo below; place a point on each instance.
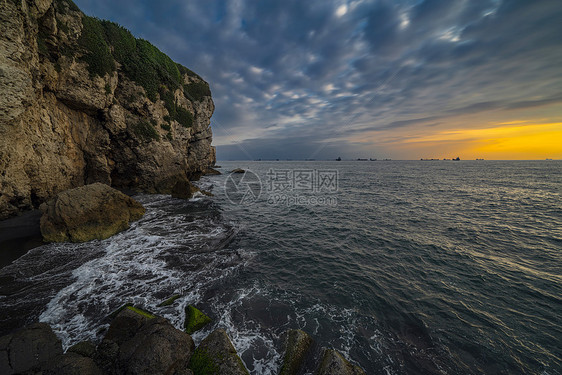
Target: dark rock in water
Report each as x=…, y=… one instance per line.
x=297, y=345
x=71, y=364
x=216, y=355
x=94, y=211
x=195, y=319
x=28, y=349
x=184, y=189
x=238, y=170
x=333, y=363
x=212, y=171
x=170, y=300
x=140, y=343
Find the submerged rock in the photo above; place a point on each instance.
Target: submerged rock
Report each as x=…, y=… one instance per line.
x=94, y=211
x=170, y=300
x=297, y=345
x=28, y=349
x=216, y=355
x=195, y=319
x=238, y=170
x=333, y=363
x=212, y=171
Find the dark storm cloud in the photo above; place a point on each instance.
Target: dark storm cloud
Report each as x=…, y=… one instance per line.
x=290, y=77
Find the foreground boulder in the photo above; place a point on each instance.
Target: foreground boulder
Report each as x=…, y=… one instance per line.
x=90, y=212
x=140, y=343
x=71, y=363
x=28, y=349
x=216, y=355
x=297, y=344
x=333, y=363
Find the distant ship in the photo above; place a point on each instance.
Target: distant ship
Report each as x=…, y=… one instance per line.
x=338, y=159
x=457, y=159
x=430, y=159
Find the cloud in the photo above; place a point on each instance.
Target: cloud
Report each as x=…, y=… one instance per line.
x=323, y=69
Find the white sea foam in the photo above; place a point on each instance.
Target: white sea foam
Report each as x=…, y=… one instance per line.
x=162, y=254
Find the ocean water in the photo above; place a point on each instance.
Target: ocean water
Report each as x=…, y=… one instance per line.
x=406, y=267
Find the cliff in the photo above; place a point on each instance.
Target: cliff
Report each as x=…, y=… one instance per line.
x=83, y=101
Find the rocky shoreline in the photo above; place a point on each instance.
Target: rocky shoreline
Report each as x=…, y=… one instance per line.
x=138, y=342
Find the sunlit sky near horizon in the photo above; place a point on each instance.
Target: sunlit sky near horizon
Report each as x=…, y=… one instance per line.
x=404, y=79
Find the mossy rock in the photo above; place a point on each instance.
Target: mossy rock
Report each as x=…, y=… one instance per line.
x=195, y=319
x=170, y=300
x=141, y=312
x=217, y=356
x=202, y=363
x=116, y=312
x=297, y=345
x=333, y=363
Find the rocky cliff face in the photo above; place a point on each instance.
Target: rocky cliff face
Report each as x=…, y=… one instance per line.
x=83, y=101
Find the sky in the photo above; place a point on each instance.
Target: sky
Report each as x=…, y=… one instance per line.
x=402, y=79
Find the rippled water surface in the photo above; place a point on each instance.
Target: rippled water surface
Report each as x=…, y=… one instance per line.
x=412, y=267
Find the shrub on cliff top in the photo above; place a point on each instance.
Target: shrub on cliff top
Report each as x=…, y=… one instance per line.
x=105, y=42
x=97, y=54
x=197, y=90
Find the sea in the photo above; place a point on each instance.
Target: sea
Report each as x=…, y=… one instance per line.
x=405, y=267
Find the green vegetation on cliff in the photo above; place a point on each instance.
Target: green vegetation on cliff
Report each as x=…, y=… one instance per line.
x=97, y=55
x=104, y=43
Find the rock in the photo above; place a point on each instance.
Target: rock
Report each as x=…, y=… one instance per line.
x=333, y=363
x=84, y=348
x=211, y=171
x=62, y=127
x=184, y=189
x=138, y=342
x=126, y=324
x=94, y=211
x=195, y=319
x=297, y=345
x=28, y=349
x=170, y=300
x=238, y=170
x=71, y=364
x=216, y=355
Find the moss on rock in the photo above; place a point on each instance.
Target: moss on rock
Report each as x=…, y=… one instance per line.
x=170, y=300
x=195, y=319
x=217, y=356
x=201, y=363
x=141, y=312
x=297, y=345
